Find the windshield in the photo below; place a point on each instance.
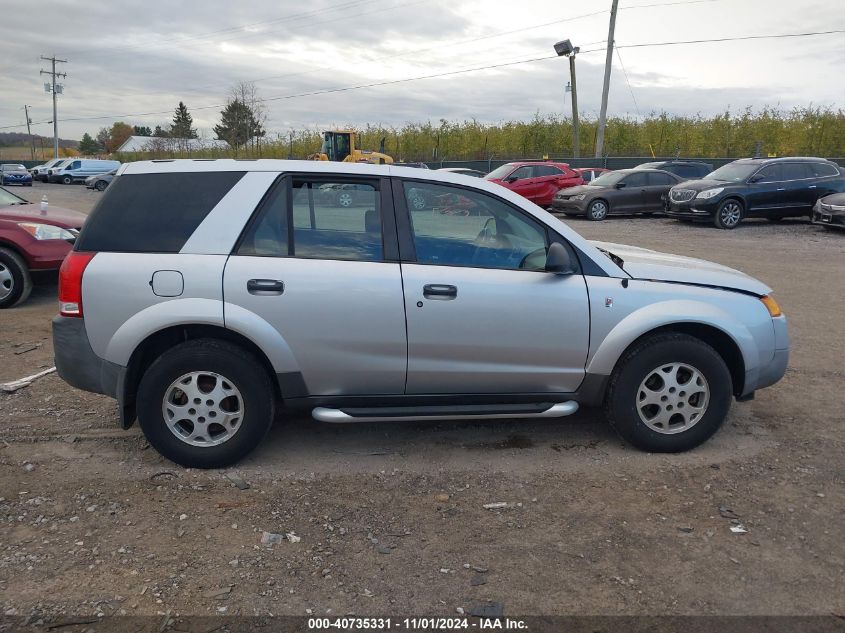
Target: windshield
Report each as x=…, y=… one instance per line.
x=12, y=167
x=500, y=172
x=733, y=172
x=7, y=199
x=609, y=179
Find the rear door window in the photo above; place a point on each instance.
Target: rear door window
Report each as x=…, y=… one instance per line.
x=153, y=213
x=657, y=179
x=318, y=219
x=546, y=170
x=797, y=171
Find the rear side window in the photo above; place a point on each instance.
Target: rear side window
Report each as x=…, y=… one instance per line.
x=685, y=171
x=820, y=170
x=153, y=213
x=546, y=170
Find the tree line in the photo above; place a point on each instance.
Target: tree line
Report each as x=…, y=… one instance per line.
x=813, y=131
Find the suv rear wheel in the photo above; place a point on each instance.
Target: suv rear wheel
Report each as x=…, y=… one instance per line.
x=669, y=393
x=205, y=403
x=15, y=282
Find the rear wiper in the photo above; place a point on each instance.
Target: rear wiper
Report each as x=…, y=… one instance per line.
x=614, y=258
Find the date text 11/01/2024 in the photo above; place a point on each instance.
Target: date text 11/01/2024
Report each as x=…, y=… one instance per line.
x=417, y=624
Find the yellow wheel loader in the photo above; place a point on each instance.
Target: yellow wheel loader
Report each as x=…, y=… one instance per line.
x=342, y=146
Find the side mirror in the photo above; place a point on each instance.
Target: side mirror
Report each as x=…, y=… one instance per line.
x=511, y=179
x=558, y=260
x=756, y=178
x=620, y=185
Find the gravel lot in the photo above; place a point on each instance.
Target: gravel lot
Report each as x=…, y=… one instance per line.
x=391, y=517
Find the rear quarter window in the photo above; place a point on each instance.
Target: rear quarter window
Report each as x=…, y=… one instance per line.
x=153, y=213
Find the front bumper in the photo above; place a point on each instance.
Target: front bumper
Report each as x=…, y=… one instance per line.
x=825, y=216
x=570, y=205
x=703, y=209
x=17, y=180
x=78, y=365
x=771, y=371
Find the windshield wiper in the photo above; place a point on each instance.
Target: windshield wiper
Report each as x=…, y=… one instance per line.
x=614, y=258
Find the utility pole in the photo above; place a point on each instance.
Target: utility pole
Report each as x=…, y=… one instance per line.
x=52, y=88
x=606, y=88
x=29, y=132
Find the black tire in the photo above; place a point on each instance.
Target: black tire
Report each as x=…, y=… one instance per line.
x=29, y=184
x=642, y=361
x=239, y=368
x=15, y=281
x=729, y=214
x=101, y=185
x=67, y=180
x=598, y=210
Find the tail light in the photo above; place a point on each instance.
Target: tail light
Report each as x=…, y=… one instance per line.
x=70, y=283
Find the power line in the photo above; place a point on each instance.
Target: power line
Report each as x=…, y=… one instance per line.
x=442, y=74
x=734, y=39
x=627, y=81
x=436, y=47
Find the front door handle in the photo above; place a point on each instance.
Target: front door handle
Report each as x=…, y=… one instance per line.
x=265, y=287
x=440, y=291
x=812, y=186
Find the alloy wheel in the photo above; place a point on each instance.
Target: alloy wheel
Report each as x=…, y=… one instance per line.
x=344, y=199
x=672, y=398
x=203, y=408
x=730, y=214
x=7, y=282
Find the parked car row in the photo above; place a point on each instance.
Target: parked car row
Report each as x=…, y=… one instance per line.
x=70, y=170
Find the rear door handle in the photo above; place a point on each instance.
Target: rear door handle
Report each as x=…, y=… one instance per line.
x=781, y=188
x=812, y=186
x=442, y=291
x=265, y=287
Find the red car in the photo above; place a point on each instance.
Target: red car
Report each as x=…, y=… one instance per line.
x=539, y=182
x=31, y=240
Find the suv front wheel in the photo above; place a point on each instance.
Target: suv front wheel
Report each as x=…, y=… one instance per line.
x=205, y=403
x=669, y=393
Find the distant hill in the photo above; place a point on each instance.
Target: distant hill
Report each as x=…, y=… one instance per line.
x=19, y=139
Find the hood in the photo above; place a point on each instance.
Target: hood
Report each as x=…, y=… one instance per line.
x=65, y=218
x=835, y=198
x=701, y=185
x=578, y=189
x=642, y=263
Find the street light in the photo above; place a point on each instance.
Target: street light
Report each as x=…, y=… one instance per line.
x=566, y=49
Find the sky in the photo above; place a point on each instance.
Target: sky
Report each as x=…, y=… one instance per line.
x=134, y=60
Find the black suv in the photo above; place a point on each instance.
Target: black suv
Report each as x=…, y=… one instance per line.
x=683, y=168
x=771, y=188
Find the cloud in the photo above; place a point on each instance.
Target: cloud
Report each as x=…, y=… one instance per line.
x=143, y=56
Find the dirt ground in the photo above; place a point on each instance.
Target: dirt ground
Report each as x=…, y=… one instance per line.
x=391, y=518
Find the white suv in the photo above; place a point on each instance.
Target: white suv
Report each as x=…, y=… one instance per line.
x=204, y=295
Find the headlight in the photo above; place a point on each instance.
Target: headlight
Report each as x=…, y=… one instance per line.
x=709, y=193
x=46, y=231
x=580, y=196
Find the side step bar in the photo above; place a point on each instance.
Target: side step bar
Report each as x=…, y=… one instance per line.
x=460, y=412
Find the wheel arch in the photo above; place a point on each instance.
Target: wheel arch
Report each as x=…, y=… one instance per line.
x=155, y=344
x=718, y=339
x=731, y=339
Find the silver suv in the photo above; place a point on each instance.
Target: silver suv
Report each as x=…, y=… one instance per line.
x=205, y=295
